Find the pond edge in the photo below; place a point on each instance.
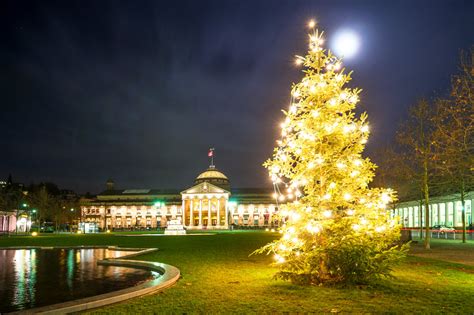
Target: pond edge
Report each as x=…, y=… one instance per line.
x=169, y=276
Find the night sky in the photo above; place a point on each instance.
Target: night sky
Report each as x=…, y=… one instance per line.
x=137, y=91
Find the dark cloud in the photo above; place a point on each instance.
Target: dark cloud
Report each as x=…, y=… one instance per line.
x=138, y=90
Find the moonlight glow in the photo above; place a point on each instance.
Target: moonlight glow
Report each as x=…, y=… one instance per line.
x=346, y=43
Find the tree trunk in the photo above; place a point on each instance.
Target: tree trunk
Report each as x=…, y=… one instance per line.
x=427, y=205
x=463, y=214
x=420, y=215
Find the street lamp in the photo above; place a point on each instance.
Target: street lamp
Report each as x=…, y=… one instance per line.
x=22, y=212
x=33, y=211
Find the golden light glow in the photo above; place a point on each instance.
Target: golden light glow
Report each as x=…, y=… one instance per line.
x=353, y=99
x=386, y=198
x=354, y=173
x=275, y=169
x=320, y=174
x=34, y=233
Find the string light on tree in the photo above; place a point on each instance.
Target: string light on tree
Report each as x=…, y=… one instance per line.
x=321, y=181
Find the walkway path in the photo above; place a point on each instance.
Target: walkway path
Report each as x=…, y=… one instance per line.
x=452, y=251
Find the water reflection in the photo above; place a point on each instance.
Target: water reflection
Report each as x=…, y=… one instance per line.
x=33, y=277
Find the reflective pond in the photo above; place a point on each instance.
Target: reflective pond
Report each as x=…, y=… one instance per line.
x=38, y=277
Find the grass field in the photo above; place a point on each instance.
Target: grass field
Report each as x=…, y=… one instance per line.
x=218, y=276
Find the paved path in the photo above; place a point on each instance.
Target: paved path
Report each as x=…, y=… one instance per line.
x=452, y=251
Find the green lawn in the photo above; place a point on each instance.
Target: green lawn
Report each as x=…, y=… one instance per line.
x=218, y=276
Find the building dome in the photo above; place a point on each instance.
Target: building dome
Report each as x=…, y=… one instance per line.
x=214, y=177
x=211, y=174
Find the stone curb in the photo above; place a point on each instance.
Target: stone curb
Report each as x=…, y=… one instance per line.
x=125, y=249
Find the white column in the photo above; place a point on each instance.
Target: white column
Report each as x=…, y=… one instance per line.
x=209, y=222
x=226, y=214
x=472, y=211
x=191, y=219
x=446, y=214
x=454, y=213
x=182, y=213
x=218, y=212
x=200, y=213
x=438, y=207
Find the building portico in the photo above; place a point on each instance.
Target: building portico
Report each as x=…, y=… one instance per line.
x=205, y=207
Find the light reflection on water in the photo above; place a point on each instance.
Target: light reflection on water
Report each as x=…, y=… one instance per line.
x=37, y=277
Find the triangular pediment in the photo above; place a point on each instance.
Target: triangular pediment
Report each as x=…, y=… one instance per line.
x=205, y=188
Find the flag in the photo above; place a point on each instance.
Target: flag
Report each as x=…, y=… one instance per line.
x=211, y=152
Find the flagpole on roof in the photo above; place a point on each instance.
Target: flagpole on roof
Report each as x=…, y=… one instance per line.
x=211, y=155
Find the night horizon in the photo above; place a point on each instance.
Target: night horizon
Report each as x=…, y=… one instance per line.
x=139, y=92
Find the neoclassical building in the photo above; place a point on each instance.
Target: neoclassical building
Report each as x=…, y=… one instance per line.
x=209, y=204
x=8, y=222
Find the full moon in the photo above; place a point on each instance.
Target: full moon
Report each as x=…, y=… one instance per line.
x=346, y=43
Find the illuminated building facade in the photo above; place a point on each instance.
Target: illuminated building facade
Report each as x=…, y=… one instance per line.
x=8, y=222
x=444, y=210
x=209, y=204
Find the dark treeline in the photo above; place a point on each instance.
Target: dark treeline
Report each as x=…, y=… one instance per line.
x=44, y=203
x=433, y=151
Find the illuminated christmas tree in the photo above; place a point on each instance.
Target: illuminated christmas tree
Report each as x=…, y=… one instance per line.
x=335, y=228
